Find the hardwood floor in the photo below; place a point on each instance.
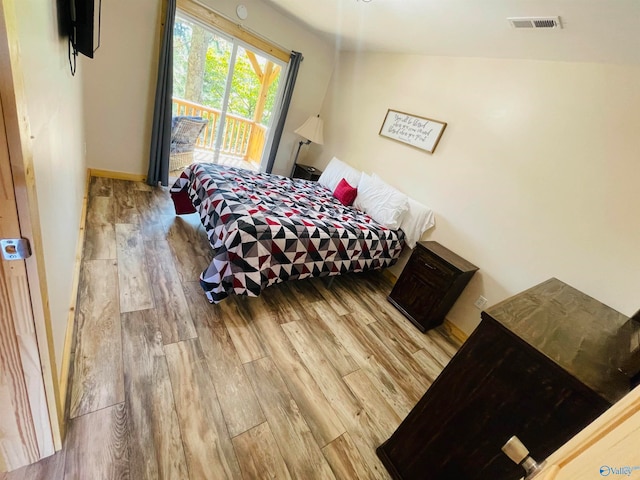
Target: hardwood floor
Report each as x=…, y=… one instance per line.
x=302, y=382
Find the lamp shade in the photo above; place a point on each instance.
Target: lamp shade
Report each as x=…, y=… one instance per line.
x=311, y=129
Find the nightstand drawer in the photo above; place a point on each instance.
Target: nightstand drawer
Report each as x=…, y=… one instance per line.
x=431, y=268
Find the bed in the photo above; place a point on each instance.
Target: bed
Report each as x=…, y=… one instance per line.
x=265, y=229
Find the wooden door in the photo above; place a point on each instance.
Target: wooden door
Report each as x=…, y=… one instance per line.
x=25, y=428
x=29, y=403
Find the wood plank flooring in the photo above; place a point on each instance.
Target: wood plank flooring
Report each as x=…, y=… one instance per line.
x=302, y=382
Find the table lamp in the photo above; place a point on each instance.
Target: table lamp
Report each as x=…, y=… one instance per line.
x=312, y=131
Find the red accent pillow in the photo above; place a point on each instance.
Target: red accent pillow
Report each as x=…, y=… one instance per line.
x=345, y=192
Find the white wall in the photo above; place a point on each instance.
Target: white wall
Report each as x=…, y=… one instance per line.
x=120, y=80
x=54, y=104
x=535, y=176
x=119, y=86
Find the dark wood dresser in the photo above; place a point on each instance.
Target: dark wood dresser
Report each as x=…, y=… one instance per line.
x=430, y=283
x=541, y=365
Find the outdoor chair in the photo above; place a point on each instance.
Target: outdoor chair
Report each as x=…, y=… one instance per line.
x=185, y=132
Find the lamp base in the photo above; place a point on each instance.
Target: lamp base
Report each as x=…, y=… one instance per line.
x=295, y=160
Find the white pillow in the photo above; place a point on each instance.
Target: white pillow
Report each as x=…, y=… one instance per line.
x=362, y=197
x=416, y=221
x=336, y=171
x=381, y=201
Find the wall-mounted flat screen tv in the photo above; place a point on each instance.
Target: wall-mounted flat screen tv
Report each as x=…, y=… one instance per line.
x=85, y=25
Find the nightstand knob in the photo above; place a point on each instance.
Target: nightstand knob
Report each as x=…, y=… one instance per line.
x=429, y=266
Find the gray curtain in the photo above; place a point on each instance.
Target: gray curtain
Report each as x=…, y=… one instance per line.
x=290, y=82
x=161, y=129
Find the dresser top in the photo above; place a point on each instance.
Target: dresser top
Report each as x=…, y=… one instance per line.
x=586, y=338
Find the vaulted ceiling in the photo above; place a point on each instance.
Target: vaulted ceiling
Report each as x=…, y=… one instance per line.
x=606, y=31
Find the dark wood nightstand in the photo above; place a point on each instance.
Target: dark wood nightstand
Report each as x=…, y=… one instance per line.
x=306, y=172
x=430, y=283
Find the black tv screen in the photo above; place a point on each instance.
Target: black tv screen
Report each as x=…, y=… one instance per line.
x=85, y=25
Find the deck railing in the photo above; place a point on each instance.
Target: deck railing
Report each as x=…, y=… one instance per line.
x=241, y=137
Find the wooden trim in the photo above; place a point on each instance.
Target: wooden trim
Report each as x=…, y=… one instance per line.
x=133, y=177
x=65, y=365
x=454, y=331
x=209, y=17
x=21, y=158
x=387, y=273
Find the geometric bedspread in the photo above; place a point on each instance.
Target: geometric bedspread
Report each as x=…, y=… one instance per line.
x=265, y=229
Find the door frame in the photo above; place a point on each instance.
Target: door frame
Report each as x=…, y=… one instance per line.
x=30, y=304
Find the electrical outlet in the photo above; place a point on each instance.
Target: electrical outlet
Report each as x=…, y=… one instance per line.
x=481, y=302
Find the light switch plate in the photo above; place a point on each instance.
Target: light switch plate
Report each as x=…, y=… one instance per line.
x=481, y=302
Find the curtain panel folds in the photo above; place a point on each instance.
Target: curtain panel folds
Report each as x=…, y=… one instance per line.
x=161, y=128
x=290, y=82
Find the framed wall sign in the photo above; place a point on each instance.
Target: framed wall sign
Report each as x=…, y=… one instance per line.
x=419, y=132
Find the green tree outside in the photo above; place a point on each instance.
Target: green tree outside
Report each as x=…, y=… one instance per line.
x=245, y=85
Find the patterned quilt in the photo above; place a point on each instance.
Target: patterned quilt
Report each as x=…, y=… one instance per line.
x=266, y=229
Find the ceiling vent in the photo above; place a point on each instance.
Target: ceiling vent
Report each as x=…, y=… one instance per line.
x=535, y=22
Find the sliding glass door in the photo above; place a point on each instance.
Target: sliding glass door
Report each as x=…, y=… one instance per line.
x=234, y=86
